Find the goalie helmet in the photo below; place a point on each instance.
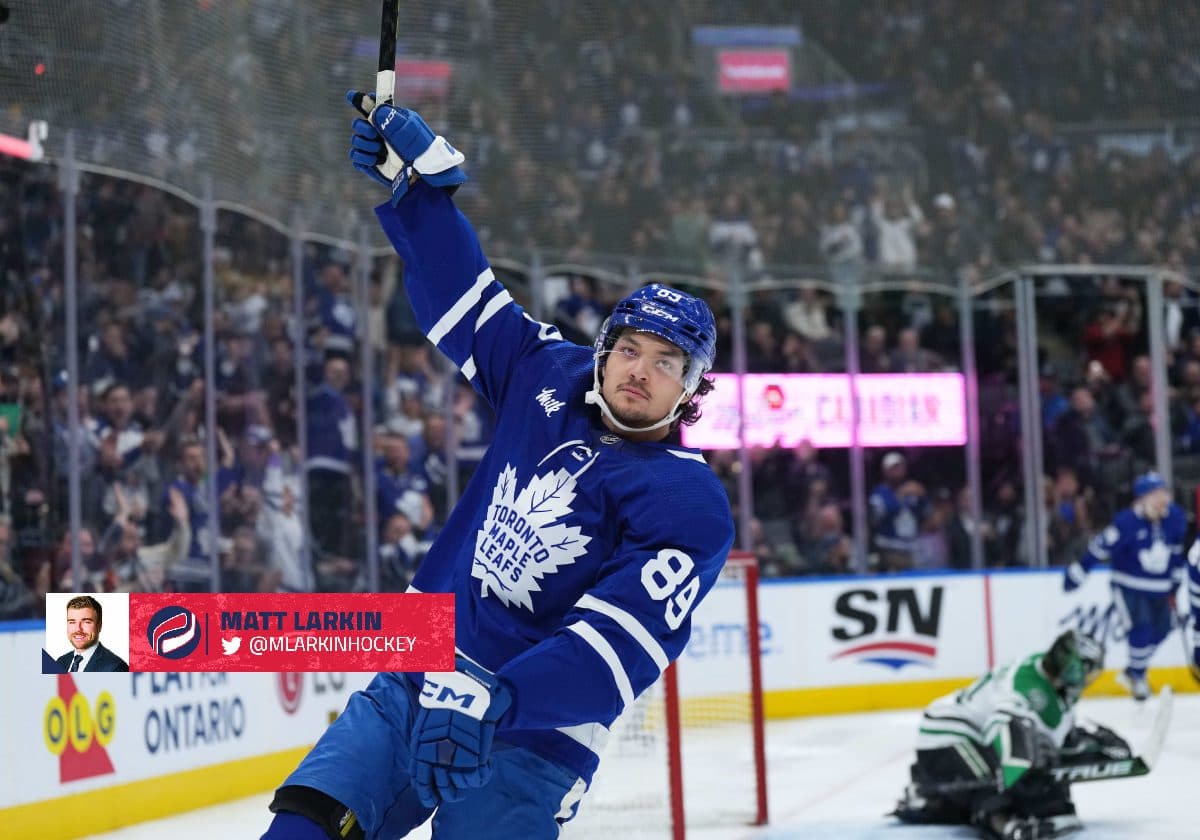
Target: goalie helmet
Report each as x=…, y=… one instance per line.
x=1073, y=662
x=672, y=315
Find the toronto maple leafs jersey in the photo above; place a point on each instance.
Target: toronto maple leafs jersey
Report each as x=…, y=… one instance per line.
x=1146, y=556
x=983, y=713
x=575, y=556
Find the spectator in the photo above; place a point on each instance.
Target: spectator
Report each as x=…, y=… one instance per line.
x=332, y=442
x=898, y=222
x=898, y=510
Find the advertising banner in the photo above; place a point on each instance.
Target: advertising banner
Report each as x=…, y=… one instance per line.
x=753, y=71
x=261, y=631
x=913, y=409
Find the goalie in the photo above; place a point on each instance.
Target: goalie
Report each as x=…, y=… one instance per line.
x=984, y=752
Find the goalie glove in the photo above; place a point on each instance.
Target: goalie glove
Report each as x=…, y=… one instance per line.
x=1091, y=741
x=392, y=144
x=453, y=731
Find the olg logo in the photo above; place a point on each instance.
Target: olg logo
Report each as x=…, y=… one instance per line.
x=78, y=722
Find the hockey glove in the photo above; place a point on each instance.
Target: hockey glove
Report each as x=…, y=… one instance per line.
x=1092, y=742
x=453, y=732
x=392, y=143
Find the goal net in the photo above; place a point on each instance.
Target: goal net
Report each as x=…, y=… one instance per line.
x=689, y=753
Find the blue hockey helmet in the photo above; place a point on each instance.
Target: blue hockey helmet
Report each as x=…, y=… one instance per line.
x=680, y=318
x=1148, y=483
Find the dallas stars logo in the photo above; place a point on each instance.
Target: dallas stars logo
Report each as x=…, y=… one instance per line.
x=522, y=539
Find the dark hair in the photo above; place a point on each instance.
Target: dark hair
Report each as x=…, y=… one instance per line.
x=84, y=602
x=689, y=412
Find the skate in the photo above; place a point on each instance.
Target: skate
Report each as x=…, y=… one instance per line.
x=1135, y=684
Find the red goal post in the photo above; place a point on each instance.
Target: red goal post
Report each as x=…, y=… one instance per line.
x=690, y=752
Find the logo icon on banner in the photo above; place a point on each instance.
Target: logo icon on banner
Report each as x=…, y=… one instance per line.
x=291, y=690
x=78, y=732
x=173, y=632
x=873, y=623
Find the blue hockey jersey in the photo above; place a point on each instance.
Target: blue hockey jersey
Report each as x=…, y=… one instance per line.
x=575, y=556
x=1146, y=556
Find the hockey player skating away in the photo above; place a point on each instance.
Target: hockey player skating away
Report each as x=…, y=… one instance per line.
x=983, y=752
x=1144, y=545
x=576, y=555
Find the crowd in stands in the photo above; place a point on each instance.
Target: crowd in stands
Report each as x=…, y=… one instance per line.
x=602, y=145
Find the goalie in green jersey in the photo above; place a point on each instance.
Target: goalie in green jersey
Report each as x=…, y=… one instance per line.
x=984, y=753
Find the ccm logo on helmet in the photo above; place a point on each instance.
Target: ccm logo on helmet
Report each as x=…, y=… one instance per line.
x=651, y=309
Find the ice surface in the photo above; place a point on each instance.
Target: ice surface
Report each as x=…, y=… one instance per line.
x=835, y=777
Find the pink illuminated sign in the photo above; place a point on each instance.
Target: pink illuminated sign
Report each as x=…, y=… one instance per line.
x=753, y=71
x=911, y=409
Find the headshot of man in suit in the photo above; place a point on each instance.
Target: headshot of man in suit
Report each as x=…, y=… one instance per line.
x=85, y=617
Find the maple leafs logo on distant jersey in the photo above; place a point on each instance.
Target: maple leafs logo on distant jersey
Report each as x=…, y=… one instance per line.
x=1156, y=558
x=523, y=539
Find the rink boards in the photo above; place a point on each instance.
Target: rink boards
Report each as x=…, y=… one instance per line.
x=82, y=754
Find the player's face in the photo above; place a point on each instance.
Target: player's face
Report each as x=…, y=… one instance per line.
x=82, y=627
x=643, y=377
x=1156, y=503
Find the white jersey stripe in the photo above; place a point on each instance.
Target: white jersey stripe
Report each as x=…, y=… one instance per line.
x=492, y=307
x=600, y=644
x=594, y=736
x=1142, y=584
x=689, y=456
x=630, y=625
x=461, y=307
x=468, y=368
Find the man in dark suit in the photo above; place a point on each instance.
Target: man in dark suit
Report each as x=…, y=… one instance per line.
x=85, y=617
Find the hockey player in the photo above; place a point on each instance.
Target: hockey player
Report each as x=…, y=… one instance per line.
x=1144, y=545
x=576, y=555
x=983, y=750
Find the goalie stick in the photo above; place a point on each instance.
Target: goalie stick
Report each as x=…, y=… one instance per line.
x=1086, y=771
x=385, y=75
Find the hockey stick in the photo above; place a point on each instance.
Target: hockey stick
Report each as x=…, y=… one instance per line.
x=385, y=75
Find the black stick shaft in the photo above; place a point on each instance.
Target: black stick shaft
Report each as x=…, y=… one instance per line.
x=385, y=76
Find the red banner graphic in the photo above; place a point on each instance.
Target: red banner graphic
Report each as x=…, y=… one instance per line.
x=291, y=632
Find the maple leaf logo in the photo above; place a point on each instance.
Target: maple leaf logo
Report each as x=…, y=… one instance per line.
x=523, y=539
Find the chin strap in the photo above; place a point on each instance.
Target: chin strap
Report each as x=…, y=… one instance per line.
x=593, y=397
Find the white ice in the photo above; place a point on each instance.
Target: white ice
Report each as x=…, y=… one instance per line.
x=836, y=777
